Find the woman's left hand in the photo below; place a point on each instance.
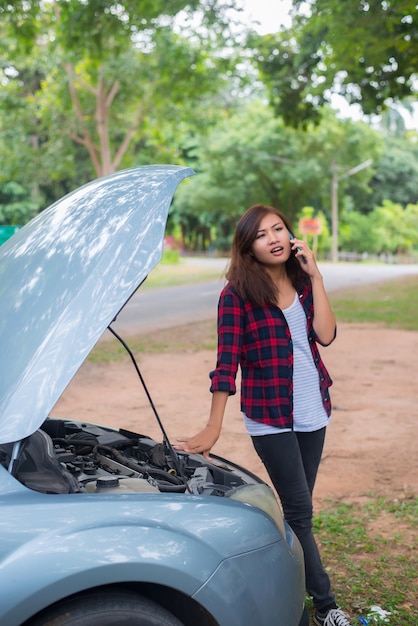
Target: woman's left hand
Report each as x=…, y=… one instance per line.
x=324, y=320
x=305, y=256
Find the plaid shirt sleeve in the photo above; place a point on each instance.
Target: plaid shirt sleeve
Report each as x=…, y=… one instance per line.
x=230, y=336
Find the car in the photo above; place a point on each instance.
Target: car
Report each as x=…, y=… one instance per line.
x=102, y=526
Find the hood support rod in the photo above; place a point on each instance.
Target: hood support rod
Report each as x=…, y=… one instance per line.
x=173, y=452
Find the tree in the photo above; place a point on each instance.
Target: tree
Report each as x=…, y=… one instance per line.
x=251, y=157
x=358, y=233
x=103, y=79
x=365, y=50
x=248, y=157
x=16, y=207
x=395, y=226
x=389, y=228
x=396, y=173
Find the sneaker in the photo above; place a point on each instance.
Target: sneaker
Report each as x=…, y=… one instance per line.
x=333, y=617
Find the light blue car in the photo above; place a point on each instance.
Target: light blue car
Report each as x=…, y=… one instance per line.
x=101, y=526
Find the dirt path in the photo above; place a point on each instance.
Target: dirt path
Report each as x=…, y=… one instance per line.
x=371, y=445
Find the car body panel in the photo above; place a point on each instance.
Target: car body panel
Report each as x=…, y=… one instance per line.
x=65, y=276
x=253, y=582
x=166, y=539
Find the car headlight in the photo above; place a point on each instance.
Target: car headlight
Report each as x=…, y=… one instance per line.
x=262, y=497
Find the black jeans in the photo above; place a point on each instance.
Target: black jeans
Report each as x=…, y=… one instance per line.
x=292, y=460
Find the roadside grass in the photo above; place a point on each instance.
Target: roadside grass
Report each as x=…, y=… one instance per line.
x=371, y=552
x=167, y=274
x=190, y=338
x=370, y=549
x=393, y=304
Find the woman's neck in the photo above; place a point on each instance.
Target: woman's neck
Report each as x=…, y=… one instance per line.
x=284, y=286
x=278, y=275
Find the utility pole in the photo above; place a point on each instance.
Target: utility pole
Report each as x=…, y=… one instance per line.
x=334, y=200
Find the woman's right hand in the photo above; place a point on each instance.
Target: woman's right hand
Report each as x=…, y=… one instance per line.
x=200, y=443
x=209, y=435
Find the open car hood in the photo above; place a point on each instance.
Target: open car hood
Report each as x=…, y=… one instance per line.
x=63, y=279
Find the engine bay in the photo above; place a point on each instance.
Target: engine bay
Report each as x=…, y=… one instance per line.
x=76, y=457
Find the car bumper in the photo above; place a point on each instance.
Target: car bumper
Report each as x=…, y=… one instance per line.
x=264, y=587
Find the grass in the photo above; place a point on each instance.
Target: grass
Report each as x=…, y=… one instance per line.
x=179, y=273
x=190, y=338
x=371, y=551
x=392, y=304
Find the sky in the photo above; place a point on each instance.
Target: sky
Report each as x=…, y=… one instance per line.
x=270, y=13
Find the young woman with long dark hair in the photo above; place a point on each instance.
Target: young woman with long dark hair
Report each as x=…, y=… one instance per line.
x=272, y=313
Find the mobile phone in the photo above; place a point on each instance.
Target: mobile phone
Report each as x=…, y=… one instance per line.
x=291, y=236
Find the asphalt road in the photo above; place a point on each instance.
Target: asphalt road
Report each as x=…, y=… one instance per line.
x=150, y=310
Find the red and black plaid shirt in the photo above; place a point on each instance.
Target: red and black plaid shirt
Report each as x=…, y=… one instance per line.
x=258, y=339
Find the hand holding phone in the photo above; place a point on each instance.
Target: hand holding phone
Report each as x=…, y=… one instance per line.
x=291, y=236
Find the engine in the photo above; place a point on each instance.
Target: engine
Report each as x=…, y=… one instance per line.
x=76, y=457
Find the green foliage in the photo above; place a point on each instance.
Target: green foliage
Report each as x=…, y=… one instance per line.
x=16, y=206
x=389, y=228
x=92, y=28
x=284, y=68
x=89, y=87
x=357, y=235
x=251, y=156
x=104, y=86
x=396, y=226
x=170, y=257
x=396, y=173
x=365, y=51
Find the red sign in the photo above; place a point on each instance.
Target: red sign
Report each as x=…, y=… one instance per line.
x=310, y=226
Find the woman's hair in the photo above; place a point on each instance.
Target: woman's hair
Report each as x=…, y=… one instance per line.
x=249, y=277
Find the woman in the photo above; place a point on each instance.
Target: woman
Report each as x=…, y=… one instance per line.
x=272, y=313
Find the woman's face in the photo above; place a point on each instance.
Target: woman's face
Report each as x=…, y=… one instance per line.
x=272, y=243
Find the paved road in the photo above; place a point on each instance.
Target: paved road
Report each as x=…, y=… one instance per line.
x=166, y=307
